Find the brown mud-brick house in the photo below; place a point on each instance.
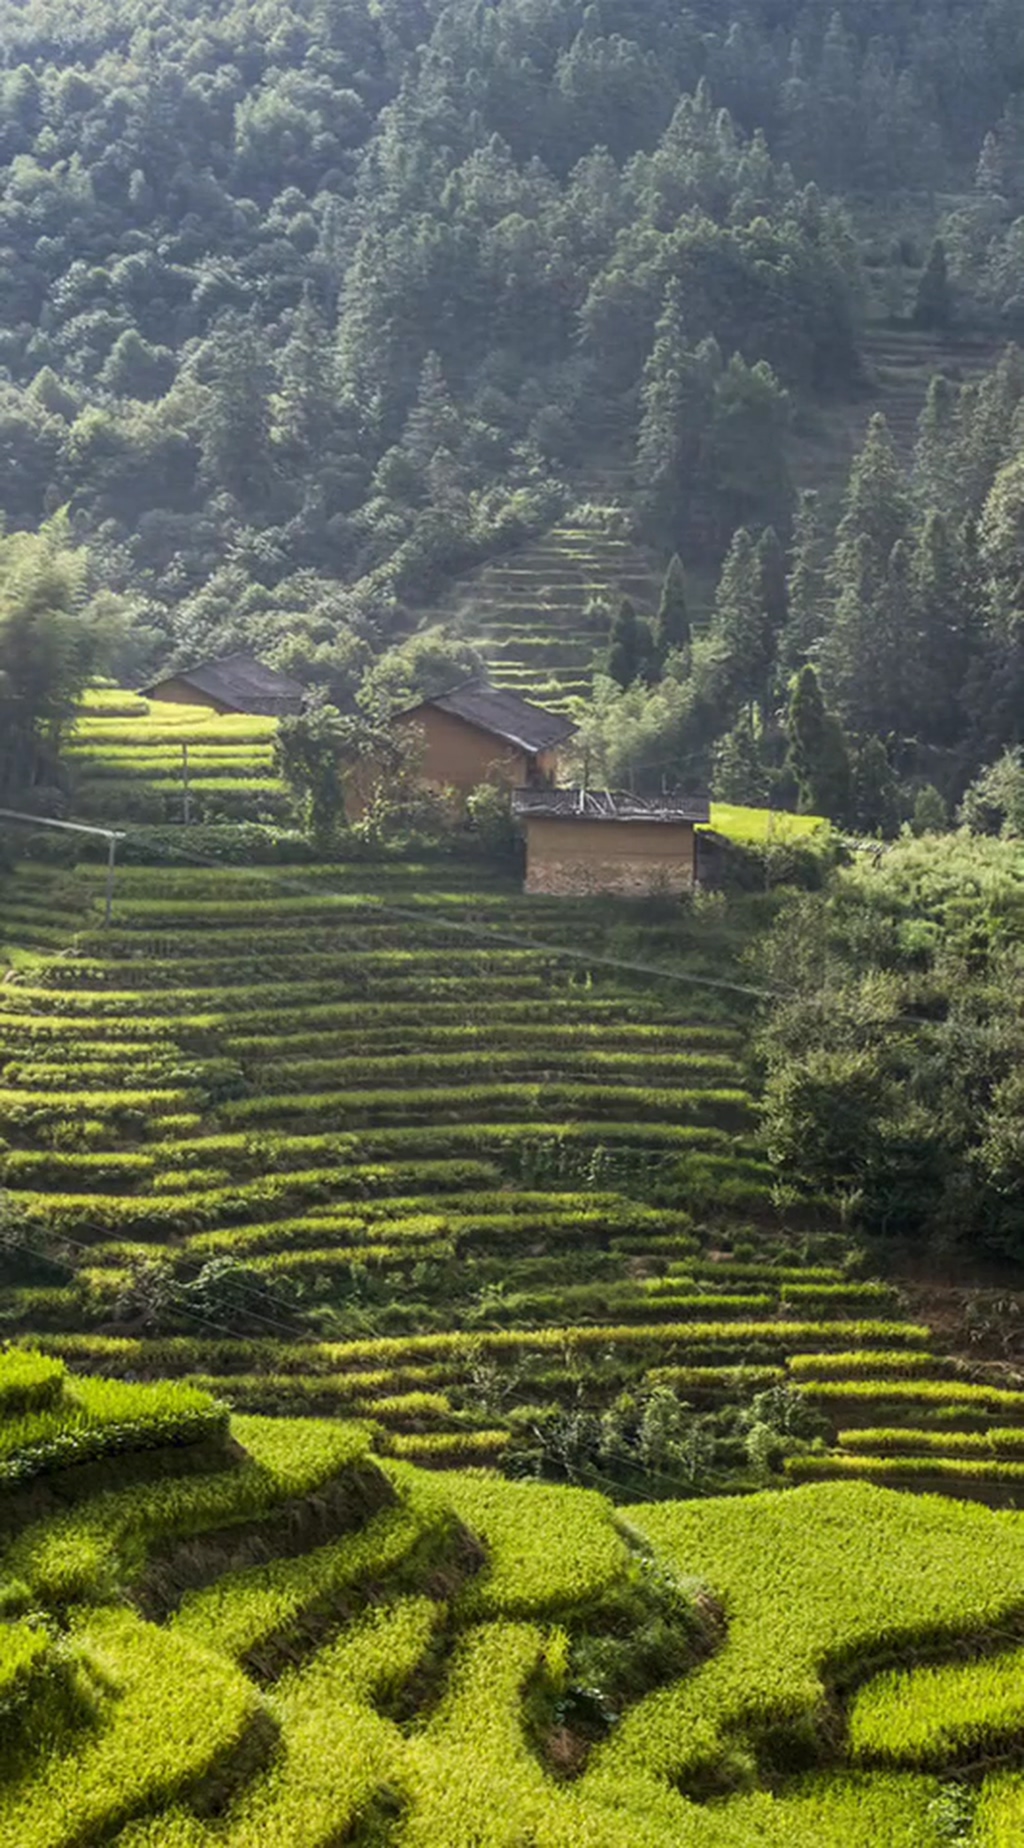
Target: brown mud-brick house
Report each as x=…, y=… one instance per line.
x=482, y=734
x=582, y=842
x=236, y=683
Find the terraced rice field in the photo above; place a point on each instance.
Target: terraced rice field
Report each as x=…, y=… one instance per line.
x=899, y=366
x=539, y=616
x=136, y=760
x=395, y=1142
x=259, y=1633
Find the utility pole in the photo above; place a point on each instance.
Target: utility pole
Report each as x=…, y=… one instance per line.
x=110, y=835
x=185, y=784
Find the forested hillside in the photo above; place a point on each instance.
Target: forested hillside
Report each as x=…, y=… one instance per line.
x=305, y=310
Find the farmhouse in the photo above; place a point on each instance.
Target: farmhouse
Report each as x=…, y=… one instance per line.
x=580, y=842
x=235, y=683
x=483, y=734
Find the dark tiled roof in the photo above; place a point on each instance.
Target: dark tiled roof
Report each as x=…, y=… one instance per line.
x=505, y=715
x=239, y=680
x=608, y=805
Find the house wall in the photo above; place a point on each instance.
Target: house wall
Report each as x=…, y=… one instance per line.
x=452, y=755
x=629, y=859
x=457, y=755
x=179, y=693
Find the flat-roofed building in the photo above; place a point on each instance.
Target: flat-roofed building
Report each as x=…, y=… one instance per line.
x=583, y=842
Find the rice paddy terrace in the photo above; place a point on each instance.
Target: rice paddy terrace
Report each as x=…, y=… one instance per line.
x=240, y=1632
x=314, y=1176
x=143, y=761
x=539, y=616
x=394, y=1142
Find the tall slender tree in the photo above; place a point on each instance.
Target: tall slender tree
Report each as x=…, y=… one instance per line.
x=807, y=593
x=672, y=623
x=818, y=757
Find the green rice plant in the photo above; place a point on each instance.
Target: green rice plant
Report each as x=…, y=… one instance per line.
x=335, y=1752
x=178, y=1718
x=392, y=1350
x=114, y=702
x=549, y=1550
x=999, y=1818
x=103, y=1543
x=474, y=1782
x=727, y=1381
x=28, y=1383
x=831, y=1294
x=895, y=1469
x=409, y=1068
x=947, y=1394
x=592, y=1101
x=852, y=1364
x=23, y=1651
x=931, y=1716
x=98, y=1417
x=402, y=1407
x=758, y=826
x=251, y=1615
x=952, y=1443
x=451, y=1448
x=813, y=1583
x=736, y=1271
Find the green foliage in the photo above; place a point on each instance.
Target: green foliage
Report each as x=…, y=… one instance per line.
x=933, y=307
x=891, y=1052
x=672, y=623
x=818, y=756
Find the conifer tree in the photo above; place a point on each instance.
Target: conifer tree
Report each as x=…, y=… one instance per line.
x=738, y=621
x=739, y=772
x=771, y=566
x=672, y=623
x=433, y=422
x=875, y=790
x=933, y=306
x=235, y=431
x=807, y=594
x=877, y=509
x=818, y=758
x=677, y=402
x=625, y=645
x=936, y=468
x=309, y=384
x=942, y=644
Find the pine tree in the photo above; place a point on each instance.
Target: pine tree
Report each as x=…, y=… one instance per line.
x=875, y=790
x=865, y=657
x=989, y=417
x=307, y=370
x=235, y=428
x=677, y=400
x=807, y=594
x=818, y=758
x=936, y=470
x=433, y=423
x=990, y=177
x=942, y=644
x=877, y=510
x=625, y=645
x=774, y=591
x=738, y=621
x=672, y=623
x=933, y=306
x=739, y=773
x=1001, y=536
